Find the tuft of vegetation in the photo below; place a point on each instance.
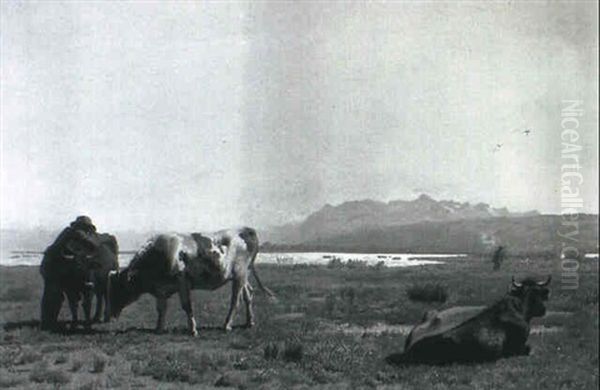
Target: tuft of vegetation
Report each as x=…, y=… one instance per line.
x=61, y=359
x=42, y=373
x=17, y=294
x=77, y=364
x=335, y=263
x=271, y=351
x=6, y=380
x=98, y=364
x=184, y=365
x=292, y=351
x=27, y=356
x=427, y=293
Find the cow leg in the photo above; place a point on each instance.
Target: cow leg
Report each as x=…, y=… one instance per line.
x=73, y=298
x=185, y=292
x=247, y=294
x=87, y=308
x=236, y=290
x=99, y=305
x=52, y=300
x=161, y=308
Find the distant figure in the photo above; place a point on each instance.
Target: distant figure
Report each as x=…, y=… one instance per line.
x=498, y=257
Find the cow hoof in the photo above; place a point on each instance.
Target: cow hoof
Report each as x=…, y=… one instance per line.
x=194, y=333
x=250, y=324
x=227, y=328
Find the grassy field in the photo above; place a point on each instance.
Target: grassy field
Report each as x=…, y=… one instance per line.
x=330, y=328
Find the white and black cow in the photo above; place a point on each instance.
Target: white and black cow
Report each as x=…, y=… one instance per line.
x=170, y=263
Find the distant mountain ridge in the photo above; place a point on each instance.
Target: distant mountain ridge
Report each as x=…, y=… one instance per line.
x=523, y=235
x=361, y=215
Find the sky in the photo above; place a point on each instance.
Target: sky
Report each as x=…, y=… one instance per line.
x=203, y=115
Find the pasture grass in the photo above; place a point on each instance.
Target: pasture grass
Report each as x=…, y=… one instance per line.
x=298, y=342
x=427, y=293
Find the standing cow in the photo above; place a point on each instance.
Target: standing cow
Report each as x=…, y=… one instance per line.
x=172, y=263
x=77, y=265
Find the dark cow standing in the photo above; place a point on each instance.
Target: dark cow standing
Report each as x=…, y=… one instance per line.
x=473, y=334
x=77, y=264
x=172, y=263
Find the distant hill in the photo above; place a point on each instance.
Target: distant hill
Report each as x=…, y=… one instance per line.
x=520, y=235
x=350, y=217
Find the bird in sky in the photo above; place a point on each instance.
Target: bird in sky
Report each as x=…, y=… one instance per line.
x=526, y=131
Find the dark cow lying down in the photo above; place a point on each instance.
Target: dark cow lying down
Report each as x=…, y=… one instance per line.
x=171, y=263
x=472, y=334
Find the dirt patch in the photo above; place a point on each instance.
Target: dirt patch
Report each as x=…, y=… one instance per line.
x=289, y=316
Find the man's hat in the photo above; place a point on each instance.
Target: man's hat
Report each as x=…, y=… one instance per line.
x=83, y=221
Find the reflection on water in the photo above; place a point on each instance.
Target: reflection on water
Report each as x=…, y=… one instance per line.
x=370, y=259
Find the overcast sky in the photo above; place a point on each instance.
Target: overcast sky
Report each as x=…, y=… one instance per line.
x=201, y=115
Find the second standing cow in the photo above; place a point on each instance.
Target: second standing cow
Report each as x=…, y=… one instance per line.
x=171, y=263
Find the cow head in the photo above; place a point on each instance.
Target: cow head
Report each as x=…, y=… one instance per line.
x=207, y=248
x=119, y=292
x=533, y=294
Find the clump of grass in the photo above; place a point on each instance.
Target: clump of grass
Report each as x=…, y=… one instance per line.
x=77, y=364
x=330, y=304
x=7, y=379
x=335, y=263
x=271, y=351
x=98, y=364
x=17, y=294
x=292, y=352
x=356, y=263
x=10, y=382
x=41, y=373
x=28, y=356
x=185, y=365
x=90, y=386
x=348, y=295
x=380, y=265
x=336, y=355
x=427, y=293
x=61, y=359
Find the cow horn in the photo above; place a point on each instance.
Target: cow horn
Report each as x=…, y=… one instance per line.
x=515, y=283
x=545, y=283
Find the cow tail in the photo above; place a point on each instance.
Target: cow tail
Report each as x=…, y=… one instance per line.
x=262, y=287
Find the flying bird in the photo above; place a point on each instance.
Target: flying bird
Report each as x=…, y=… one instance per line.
x=525, y=131
x=497, y=148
